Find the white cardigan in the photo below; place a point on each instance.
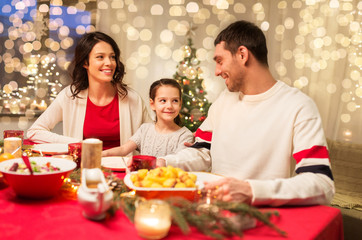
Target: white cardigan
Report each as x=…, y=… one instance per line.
x=132, y=113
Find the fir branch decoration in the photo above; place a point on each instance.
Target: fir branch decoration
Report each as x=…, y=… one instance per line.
x=127, y=204
x=212, y=219
x=209, y=219
x=246, y=209
x=75, y=176
x=180, y=220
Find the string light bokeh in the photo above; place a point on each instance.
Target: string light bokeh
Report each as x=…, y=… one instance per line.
x=38, y=41
x=314, y=45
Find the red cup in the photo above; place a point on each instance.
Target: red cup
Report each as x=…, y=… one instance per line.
x=14, y=133
x=143, y=162
x=75, y=150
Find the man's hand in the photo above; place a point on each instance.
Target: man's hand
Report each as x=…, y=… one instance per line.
x=230, y=189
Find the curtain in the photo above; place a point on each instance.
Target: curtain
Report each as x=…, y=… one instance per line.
x=314, y=45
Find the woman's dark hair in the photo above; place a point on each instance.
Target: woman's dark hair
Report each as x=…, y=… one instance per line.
x=166, y=82
x=81, y=57
x=243, y=33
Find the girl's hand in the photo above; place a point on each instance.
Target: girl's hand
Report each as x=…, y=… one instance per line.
x=187, y=144
x=160, y=162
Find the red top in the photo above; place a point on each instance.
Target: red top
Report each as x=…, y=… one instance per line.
x=102, y=122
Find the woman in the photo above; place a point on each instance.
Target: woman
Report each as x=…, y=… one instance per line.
x=97, y=104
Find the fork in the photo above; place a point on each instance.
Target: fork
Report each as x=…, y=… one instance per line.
x=125, y=163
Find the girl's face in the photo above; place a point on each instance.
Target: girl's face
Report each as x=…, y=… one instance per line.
x=101, y=63
x=167, y=103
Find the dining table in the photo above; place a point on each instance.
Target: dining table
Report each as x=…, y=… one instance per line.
x=60, y=217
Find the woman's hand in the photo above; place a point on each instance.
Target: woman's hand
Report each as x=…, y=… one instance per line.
x=230, y=189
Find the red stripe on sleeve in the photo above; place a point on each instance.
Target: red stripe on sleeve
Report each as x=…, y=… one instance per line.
x=313, y=152
x=204, y=135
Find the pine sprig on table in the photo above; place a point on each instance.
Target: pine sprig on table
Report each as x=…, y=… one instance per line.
x=209, y=218
x=128, y=205
x=246, y=209
x=179, y=219
x=75, y=175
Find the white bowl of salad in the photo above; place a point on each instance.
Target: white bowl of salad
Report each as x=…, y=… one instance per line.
x=46, y=180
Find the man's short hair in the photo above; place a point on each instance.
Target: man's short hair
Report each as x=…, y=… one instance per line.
x=243, y=33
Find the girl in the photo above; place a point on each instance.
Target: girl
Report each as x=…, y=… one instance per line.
x=97, y=104
x=165, y=136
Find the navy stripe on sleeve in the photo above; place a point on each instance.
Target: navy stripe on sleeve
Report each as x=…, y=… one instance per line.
x=201, y=145
x=323, y=169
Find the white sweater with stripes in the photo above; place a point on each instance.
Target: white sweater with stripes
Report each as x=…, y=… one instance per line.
x=256, y=138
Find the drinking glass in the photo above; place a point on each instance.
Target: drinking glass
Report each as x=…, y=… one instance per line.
x=143, y=162
x=13, y=145
x=91, y=153
x=75, y=150
x=14, y=133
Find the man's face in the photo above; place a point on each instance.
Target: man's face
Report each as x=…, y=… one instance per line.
x=228, y=67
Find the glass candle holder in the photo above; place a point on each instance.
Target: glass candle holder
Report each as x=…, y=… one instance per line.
x=14, y=133
x=152, y=219
x=13, y=145
x=75, y=151
x=143, y=162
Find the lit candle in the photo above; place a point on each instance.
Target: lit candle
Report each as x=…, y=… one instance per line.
x=33, y=105
x=42, y=106
x=153, y=219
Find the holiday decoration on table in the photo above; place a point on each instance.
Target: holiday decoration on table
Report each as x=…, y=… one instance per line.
x=190, y=76
x=217, y=219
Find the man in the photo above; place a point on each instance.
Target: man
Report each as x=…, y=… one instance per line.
x=254, y=129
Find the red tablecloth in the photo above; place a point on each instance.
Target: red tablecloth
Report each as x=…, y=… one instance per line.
x=61, y=218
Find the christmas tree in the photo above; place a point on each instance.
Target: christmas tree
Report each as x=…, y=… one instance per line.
x=189, y=75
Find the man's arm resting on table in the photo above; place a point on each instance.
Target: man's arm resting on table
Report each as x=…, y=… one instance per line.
x=189, y=159
x=230, y=189
x=304, y=189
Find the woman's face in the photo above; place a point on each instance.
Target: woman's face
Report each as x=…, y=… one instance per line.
x=101, y=63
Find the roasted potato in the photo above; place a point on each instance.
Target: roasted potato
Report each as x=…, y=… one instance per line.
x=164, y=177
